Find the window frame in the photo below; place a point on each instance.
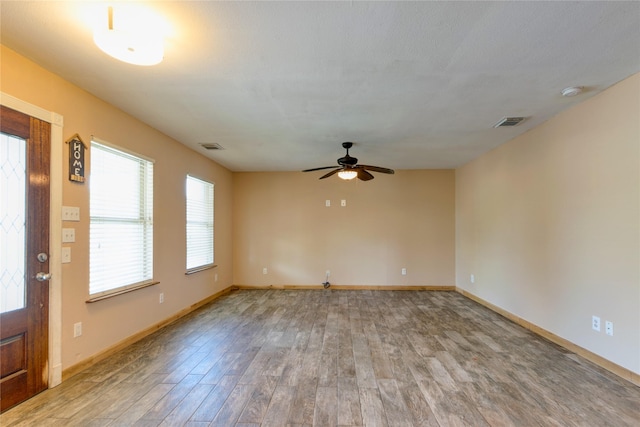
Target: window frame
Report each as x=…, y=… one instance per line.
x=209, y=223
x=145, y=204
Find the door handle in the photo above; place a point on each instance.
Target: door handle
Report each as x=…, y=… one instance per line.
x=43, y=277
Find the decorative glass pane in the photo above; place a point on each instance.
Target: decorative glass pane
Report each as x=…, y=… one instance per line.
x=13, y=172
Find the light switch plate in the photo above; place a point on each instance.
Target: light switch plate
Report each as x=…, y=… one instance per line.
x=66, y=255
x=68, y=235
x=70, y=213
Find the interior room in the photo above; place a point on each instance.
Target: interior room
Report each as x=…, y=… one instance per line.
x=495, y=150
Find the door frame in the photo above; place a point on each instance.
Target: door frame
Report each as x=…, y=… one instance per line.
x=55, y=229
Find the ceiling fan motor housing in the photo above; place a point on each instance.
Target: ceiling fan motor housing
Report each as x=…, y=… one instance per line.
x=347, y=161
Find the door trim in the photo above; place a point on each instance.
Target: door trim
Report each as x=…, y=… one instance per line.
x=55, y=229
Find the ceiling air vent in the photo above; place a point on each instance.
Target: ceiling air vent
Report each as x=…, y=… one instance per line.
x=212, y=146
x=509, y=121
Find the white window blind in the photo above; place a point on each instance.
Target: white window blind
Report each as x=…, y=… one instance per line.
x=121, y=216
x=199, y=223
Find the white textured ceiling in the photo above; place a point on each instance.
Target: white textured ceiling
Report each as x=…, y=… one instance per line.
x=281, y=84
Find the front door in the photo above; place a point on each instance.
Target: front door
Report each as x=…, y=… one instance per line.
x=24, y=250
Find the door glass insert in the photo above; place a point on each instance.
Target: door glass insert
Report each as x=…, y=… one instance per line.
x=13, y=172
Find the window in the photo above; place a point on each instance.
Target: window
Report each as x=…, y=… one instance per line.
x=199, y=224
x=121, y=216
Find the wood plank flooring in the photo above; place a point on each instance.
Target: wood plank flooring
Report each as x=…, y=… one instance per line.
x=338, y=358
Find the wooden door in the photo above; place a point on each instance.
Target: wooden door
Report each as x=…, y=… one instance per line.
x=25, y=149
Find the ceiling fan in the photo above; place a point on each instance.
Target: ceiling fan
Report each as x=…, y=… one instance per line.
x=348, y=167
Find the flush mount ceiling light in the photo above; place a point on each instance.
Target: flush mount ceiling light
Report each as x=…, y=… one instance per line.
x=137, y=47
x=572, y=91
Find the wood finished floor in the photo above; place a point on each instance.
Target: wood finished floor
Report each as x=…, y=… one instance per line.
x=348, y=358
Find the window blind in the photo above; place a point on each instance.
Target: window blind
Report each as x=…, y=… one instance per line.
x=199, y=223
x=121, y=220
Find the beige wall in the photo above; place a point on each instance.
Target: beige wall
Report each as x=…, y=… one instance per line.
x=549, y=224
x=392, y=222
x=109, y=321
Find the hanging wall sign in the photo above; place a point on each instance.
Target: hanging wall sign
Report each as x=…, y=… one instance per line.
x=76, y=158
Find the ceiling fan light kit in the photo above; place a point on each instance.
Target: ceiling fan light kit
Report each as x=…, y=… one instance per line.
x=348, y=168
x=347, y=174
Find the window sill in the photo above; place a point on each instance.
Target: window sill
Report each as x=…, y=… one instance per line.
x=120, y=292
x=201, y=268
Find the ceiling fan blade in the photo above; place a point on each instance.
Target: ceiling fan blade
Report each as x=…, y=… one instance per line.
x=363, y=175
x=377, y=169
x=317, y=169
x=335, y=171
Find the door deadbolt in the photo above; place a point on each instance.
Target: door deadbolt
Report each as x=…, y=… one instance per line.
x=42, y=257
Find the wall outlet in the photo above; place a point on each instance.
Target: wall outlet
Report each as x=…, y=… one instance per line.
x=161, y=299
x=264, y=270
x=328, y=273
x=595, y=323
x=403, y=271
x=215, y=277
x=472, y=278
x=327, y=203
x=77, y=329
x=608, y=328
x=343, y=203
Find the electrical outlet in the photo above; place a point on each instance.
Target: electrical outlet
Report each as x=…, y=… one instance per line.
x=343, y=203
x=472, y=278
x=328, y=273
x=215, y=277
x=595, y=323
x=608, y=328
x=77, y=329
x=161, y=299
x=327, y=203
x=264, y=270
x=404, y=271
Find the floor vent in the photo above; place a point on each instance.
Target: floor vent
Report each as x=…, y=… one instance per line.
x=509, y=121
x=213, y=146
